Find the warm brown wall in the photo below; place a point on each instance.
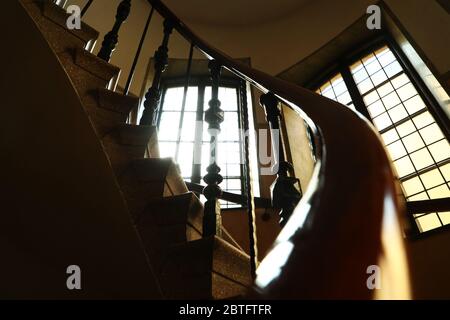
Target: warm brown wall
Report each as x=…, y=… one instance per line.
x=300, y=149
x=269, y=45
x=60, y=202
x=236, y=223
x=429, y=266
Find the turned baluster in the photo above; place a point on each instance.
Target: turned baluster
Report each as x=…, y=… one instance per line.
x=285, y=196
x=214, y=116
x=161, y=61
x=112, y=38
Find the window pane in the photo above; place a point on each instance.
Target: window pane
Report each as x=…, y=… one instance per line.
x=168, y=127
x=406, y=128
x=413, y=142
x=404, y=167
x=428, y=222
x=191, y=99
x=398, y=113
x=440, y=150
x=390, y=136
x=378, y=77
x=414, y=104
x=439, y=192
x=173, y=99
x=431, y=134
x=189, y=123
x=421, y=159
x=406, y=92
x=229, y=127
x=396, y=150
x=185, y=158
x=383, y=121
x=391, y=100
x=423, y=120
x=376, y=108
x=385, y=89
x=365, y=86
x=412, y=186
x=336, y=90
x=373, y=67
x=167, y=149
x=432, y=179
x=228, y=99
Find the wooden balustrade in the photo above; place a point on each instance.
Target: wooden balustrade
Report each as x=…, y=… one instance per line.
x=161, y=61
x=341, y=224
x=285, y=196
x=214, y=116
x=351, y=205
x=112, y=38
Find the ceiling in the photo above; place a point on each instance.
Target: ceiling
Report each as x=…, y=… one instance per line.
x=234, y=12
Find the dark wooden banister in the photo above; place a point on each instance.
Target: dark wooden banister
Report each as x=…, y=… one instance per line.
x=348, y=219
x=350, y=209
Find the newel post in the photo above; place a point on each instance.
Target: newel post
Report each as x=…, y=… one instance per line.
x=285, y=196
x=112, y=38
x=161, y=61
x=214, y=116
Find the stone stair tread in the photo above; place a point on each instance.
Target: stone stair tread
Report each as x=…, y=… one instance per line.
x=93, y=64
x=129, y=134
x=179, y=209
x=60, y=16
x=206, y=255
x=115, y=101
x=51, y=20
x=148, y=178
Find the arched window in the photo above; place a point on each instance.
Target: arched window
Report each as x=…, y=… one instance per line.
x=183, y=133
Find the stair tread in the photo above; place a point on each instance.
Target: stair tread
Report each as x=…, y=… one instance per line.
x=144, y=179
x=129, y=134
x=93, y=64
x=206, y=255
x=115, y=101
x=60, y=16
x=51, y=20
x=178, y=209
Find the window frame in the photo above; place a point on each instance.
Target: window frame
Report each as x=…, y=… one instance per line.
x=202, y=82
x=343, y=65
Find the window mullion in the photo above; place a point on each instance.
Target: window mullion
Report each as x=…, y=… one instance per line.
x=198, y=139
x=357, y=99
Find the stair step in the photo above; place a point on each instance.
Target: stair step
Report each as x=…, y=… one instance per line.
x=126, y=143
x=117, y=102
x=52, y=19
x=149, y=178
x=219, y=266
x=96, y=66
x=168, y=221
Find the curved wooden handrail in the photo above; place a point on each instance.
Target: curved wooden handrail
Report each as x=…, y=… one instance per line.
x=350, y=211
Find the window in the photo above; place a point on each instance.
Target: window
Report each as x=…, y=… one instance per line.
x=414, y=140
x=183, y=135
x=336, y=89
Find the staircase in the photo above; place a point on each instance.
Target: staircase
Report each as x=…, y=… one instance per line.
x=167, y=217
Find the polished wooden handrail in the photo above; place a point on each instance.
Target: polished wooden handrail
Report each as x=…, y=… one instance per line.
x=348, y=219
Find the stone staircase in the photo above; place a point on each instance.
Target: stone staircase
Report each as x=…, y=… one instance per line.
x=167, y=216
